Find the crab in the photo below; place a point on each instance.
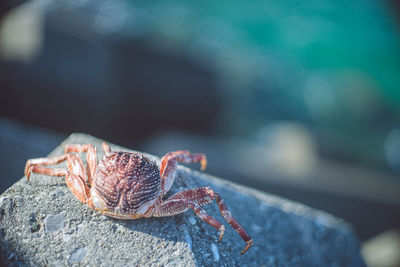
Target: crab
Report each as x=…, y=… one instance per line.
x=127, y=185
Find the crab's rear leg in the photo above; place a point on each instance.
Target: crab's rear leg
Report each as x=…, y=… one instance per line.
x=194, y=199
x=74, y=176
x=169, y=164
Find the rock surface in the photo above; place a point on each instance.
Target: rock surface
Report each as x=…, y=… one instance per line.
x=41, y=223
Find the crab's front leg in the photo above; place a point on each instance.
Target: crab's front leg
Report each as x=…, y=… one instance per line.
x=169, y=164
x=91, y=157
x=33, y=166
x=194, y=199
x=74, y=176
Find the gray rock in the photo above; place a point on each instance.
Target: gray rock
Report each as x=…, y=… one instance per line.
x=78, y=255
x=285, y=233
x=54, y=223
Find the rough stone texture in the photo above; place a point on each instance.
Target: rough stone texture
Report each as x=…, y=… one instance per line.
x=41, y=223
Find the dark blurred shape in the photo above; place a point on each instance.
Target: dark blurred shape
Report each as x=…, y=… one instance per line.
x=229, y=70
x=392, y=149
x=18, y=143
x=7, y=5
x=113, y=87
x=163, y=91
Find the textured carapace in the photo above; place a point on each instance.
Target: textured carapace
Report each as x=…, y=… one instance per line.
x=127, y=182
x=130, y=185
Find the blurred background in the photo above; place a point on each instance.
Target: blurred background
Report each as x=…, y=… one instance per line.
x=298, y=99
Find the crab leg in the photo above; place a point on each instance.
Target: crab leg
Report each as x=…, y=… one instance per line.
x=91, y=157
x=32, y=166
x=169, y=165
x=74, y=176
x=46, y=171
x=194, y=199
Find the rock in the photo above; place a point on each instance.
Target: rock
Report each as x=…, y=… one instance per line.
x=54, y=223
x=41, y=223
x=78, y=255
x=215, y=252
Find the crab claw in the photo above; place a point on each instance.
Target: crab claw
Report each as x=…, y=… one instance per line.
x=249, y=244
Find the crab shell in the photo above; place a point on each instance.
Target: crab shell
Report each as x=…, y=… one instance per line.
x=126, y=185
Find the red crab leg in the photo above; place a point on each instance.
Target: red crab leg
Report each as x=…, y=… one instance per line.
x=46, y=171
x=74, y=176
x=202, y=214
x=194, y=198
x=169, y=164
x=31, y=166
x=91, y=157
